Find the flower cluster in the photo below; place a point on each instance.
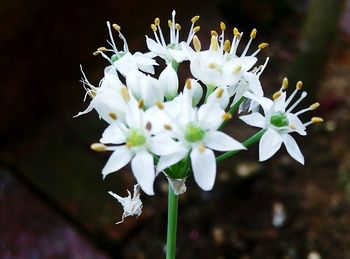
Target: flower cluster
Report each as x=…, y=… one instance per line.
x=165, y=125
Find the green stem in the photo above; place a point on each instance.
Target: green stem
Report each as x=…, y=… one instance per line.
x=250, y=141
x=173, y=201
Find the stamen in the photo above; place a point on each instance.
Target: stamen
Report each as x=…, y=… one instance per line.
x=141, y=104
x=285, y=83
x=148, y=125
x=98, y=147
x=252, y=36
x=177, y=26
x=219, y=93
x=292, y=126
x=153, y=27
x=196, y=43
x=227, y=46
x=160, y=105
x=236, y=69
x=111, y=37
x=213, y=33
x=167, y=127
x=222, y=26
x=195, y=19
x=116, y=27
x=276, y=95
x=157, y=21
x=212, y=65
x=263, y=45
x=253, y=33
x=299, y=85
x=188, y=84
x=236, y=33
x=314, y=106
x=96, y=53
x=316, y=120
x=303, y=95
x=125, y=93
x=201, y=148
x=196, y=29
x=102, y=49
x=227, y=116
x=113, y=116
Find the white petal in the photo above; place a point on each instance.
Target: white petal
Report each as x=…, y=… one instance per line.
x=119, y=158
x=204, y=168
x=292, y=148
x=265, y=103
x=87, y=110
x=220, y=141
x=155, y=47
x=269, y=144
x=113, y=134
x=223, y=100
x=255, y=119
x=163, y=145
x=196, y=91
x=210, y=116
x=169, y=82
x=143, y=168
x=177, y=55
x=169, y=160
x=126, y=64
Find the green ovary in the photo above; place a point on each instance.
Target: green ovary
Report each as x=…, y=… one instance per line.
x=135, y=139
x=279, y=120
x=194, y=133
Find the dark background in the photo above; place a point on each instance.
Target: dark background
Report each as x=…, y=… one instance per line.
x=53, y=201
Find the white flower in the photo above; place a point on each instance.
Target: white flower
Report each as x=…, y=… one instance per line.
x=194, y=89
x=135, y=141
x=169, y=81
x=122, y=60
x=279, y=120
x=106, y=99
x=196, y=132
x=132, y=205
x=170, y=51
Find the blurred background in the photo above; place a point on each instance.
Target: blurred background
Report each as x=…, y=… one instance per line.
x=53, y=201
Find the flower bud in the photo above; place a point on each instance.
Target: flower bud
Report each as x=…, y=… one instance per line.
x=220, y=96
x=169, y=82
x=151, y=91
x=133, y=83
x=194, y=89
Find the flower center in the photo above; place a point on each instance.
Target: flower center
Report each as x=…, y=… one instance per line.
x=174, y=46
x=279, y=120
x=194, y=133
x=117, y=56
x=135, y=139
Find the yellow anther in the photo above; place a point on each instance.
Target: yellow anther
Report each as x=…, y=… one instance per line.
x=219, y=93
x=316, y=120
x=196, y=43
x=253, y=33
x=102, y=49
x=222, y=26
x=153, y=27
x=276, y=95
x=314, y=106
x=125, y=93
x=212, y=65
x=201, y=148
x=98, y=147
x=236, y=32
x=214, y=45
x=96, y=53
x=263, y=45
x=196, y=29
x=170, y=23
x=167, y=127
x=299, y=85
x=195, y=18
x=92, y=93
x=227, y=116
x=213, y=33
x=292, y=126
x=141, y=104
x=227, y=46
x=128, y=145
x=236, y=69
x=177, y=26
x=188, y=84
x=116, y=27
x=160, y=105
x=113, y=116
x=156, y=21
x=285, y=83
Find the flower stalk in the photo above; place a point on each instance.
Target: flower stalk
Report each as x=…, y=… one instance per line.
x=173, y=201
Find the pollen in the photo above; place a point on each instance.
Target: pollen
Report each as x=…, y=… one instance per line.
x=156, y=21
x=276, y=95
x=98, y=147
x=177, y=26
x=195, y=19
x=113, y=115
x=141, y=104
x=196, y=43
x=201, y=148
x=236, y=69
x=196, y=29
x=263, y=45
x=153, y=27
x=116, y=27
x=285, y=83
x=222, y=26
x=299, y=85
x=316, y=120
x=167, y=127
x=314, y=106
x=125, y=93
x=160, y=105
x=227, y=116
x=227, y=46
x=188, y=84
x=253, y=33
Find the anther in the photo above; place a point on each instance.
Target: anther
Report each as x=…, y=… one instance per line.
x=141, y=104
x=188, y=84
x=153, y=27
x=314, y=106
x=196, y=29
x=113, y=116
x=236, y=69
x=125, y=93
x=299, y=85
x=292, y=126
x=98, y=147
x=219, y=93
x=222, y=26
x=236, y=33
x=227, y=116
x=276, y=95
x=201, y=148
x=160, y=105
x=253, y=33
x=196, y=43
x=213, y=33
x=214, y=45
x=195, y=18
x=102, y=49
x=212, y=65
x=167, y=127
x=170, y=23
x=177, y=26
x=96, y=53
x=285, y=83
x=116, y=27
x=263, y=45
x=227, y=46
x=148, y=125
x=156, y=21
x=316, y=119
